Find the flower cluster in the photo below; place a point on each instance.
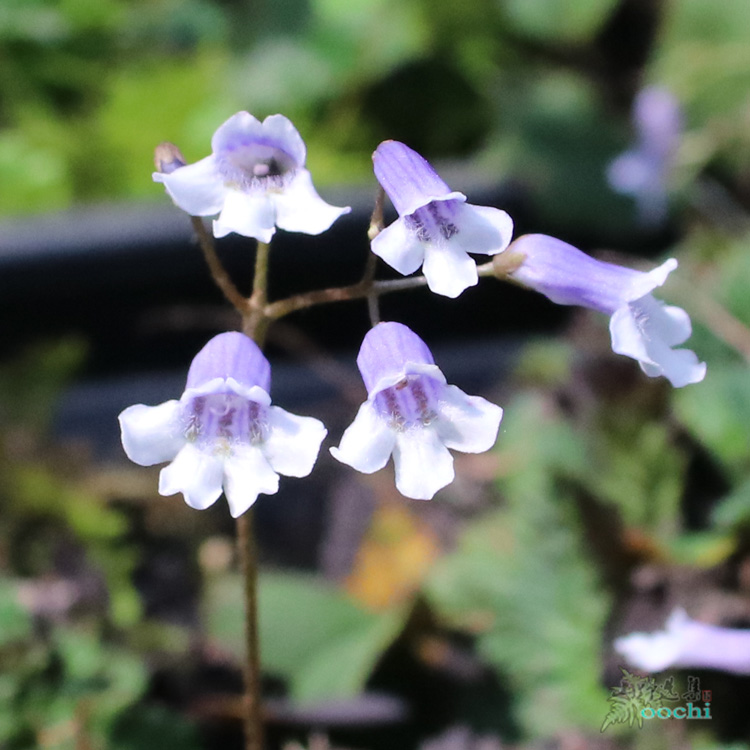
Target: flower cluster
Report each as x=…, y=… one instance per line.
x=687, y=643
x=223, y=434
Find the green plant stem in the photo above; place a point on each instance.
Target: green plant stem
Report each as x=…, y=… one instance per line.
x=248, y=556
x=255, y=322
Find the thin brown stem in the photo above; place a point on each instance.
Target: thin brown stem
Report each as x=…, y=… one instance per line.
x=216, y=267
x=360, y=290
x=247, y=552
x=376, y=220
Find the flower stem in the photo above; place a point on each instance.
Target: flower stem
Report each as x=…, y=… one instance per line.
x=255, y=321
x=215, y=266
x=255, y=325
x=248, y=556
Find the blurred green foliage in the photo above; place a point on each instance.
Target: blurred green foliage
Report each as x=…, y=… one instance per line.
x=597, y=474
x=68, y=601
x=519, y=88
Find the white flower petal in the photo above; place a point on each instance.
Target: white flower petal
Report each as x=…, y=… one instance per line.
x=399, y=247
x=249, y=214
x=196, y=188
x=680, y=367
x=627, y=337
x=642, y=283
x=449, y=270
x=467, y=423
x=483, y=229
x=646, y=330
x=196, y=474
x=152, y=434
x=247, y=473
x=423, y=464
x=293, y=442
x=300, y=209
x=671, y=325
x=367, y=443
x=652, y=653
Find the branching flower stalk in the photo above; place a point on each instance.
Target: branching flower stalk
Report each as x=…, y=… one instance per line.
x=224, y=436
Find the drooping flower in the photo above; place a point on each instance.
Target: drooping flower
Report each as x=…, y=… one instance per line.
x=687, y=643
x=223, y=433
x=436, y=228
x=641, y=326
x=255, y=179
x=412, y=413
x=644, y=170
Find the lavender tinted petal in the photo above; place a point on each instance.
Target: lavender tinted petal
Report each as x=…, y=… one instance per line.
x=385, y=352
x=568, y=276
x=234, y=355
x=407, y=177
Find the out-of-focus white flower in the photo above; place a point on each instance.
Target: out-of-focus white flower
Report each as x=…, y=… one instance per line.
x=255, y=179
x=641, y=326
x=436, y=228
x=223, y=433
x=412, y=413
x=687, y=643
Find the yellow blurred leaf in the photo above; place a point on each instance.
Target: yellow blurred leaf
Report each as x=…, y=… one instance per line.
x=395, y=555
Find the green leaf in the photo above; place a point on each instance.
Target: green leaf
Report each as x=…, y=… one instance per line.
x=521, y=581
x=311, y=634
x=717, y=413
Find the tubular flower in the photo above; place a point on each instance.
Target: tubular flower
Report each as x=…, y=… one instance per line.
x=412, y=413
x=641, y=326
x=436, y=228
x=223, y=433
x=255, y=179
x=687, y=643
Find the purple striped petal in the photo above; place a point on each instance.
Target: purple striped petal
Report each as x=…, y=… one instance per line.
x=568, y=276
x=230, y=355
x=408, y=178
x=386, y=351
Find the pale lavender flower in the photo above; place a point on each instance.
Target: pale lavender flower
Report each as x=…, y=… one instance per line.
x=641, y=326
x=223, y=433
x=255, y=179
x=436, y=228
x=687, y=643
x=644, y=170
x=412, y=413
